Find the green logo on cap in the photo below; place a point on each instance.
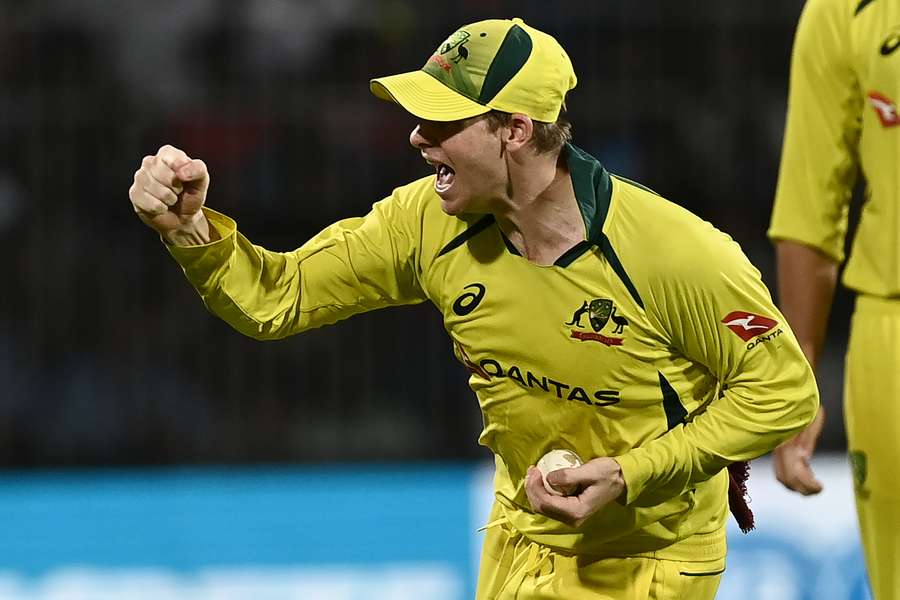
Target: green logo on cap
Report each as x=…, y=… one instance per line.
x=444, y=65
x=457, y=39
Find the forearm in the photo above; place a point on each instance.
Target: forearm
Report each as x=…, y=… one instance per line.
x=806, y=281
x=807, y=278
x=746, y=422
x=255, y=291
x=348, y=268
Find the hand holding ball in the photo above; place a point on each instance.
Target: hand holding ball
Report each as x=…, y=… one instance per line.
x=553, y=461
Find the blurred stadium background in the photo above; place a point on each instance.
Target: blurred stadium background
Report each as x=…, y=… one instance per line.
x=150, y=451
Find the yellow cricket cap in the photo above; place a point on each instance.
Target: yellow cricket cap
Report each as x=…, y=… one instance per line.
x=498, y=64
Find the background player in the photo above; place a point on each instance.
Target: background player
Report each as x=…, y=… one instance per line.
x=842, y=117
x=516, y=230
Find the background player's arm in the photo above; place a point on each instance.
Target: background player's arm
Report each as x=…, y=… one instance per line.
x=806, y=281
x=807, y=278
x=816, y=179
x=352, y=266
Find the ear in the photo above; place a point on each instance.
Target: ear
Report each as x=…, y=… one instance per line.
x=518, y=131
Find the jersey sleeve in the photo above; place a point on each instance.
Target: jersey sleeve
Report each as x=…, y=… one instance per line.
x=768, y=391
x=819, y=160
x=352, y=266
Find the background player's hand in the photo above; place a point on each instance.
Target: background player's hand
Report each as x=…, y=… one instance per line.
x=598, y=482
x=791, y=459
x=168, y=192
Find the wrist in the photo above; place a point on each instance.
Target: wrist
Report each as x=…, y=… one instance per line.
x=195, y=230
x=618, y=482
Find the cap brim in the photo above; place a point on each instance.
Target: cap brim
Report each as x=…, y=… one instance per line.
x=425, y=97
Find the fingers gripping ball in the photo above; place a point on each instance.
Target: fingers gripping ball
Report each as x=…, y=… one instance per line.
x=553, y=461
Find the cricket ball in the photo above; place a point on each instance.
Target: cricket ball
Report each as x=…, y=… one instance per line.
x=553, y=461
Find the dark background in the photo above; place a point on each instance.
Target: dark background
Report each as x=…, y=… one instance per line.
x=107, y=355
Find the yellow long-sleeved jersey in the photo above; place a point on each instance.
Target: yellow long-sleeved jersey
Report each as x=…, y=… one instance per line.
x=653, y=341
x=842, y=119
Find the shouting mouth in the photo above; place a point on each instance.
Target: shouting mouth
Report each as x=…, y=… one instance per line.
x=445, y=178
x=445, y=175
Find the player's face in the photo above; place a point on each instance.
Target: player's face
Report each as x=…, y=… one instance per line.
x=468, y=160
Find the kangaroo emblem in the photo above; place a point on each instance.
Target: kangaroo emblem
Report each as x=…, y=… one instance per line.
x=576, y=318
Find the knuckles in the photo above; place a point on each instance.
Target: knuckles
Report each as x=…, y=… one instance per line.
x=168, y=153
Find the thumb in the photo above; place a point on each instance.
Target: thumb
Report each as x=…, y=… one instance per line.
x=561, y=477
x=193, y=170
x=564, y=480
x=195, y=178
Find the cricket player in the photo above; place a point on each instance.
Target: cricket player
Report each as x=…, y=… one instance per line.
x=842, y=118
x=593, y=316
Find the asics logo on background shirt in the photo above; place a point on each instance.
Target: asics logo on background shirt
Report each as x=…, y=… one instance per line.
x=747, y=325
x=891, y=43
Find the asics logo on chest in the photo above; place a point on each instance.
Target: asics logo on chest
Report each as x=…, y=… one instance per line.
x=469, y=301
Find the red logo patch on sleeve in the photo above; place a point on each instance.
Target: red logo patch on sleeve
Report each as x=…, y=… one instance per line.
x=885, y=108
x=748, y=325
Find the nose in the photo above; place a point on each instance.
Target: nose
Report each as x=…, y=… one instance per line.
x=417, y=139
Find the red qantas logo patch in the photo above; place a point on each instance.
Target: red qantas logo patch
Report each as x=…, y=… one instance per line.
x=747, y=325
x=884, y=108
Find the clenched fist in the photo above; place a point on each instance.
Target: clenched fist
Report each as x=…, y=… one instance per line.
x=168, y=192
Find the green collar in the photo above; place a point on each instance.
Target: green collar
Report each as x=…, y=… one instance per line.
x=593, y=189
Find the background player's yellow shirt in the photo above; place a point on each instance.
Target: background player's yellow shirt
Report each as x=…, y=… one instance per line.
x=842, y=113
x=619, y=349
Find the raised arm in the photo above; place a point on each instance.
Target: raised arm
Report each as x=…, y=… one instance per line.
x=352, y=266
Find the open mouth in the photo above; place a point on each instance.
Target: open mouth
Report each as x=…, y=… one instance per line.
x=445, y=177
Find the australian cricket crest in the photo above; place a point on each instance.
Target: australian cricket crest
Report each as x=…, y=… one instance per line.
x=599, y=312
